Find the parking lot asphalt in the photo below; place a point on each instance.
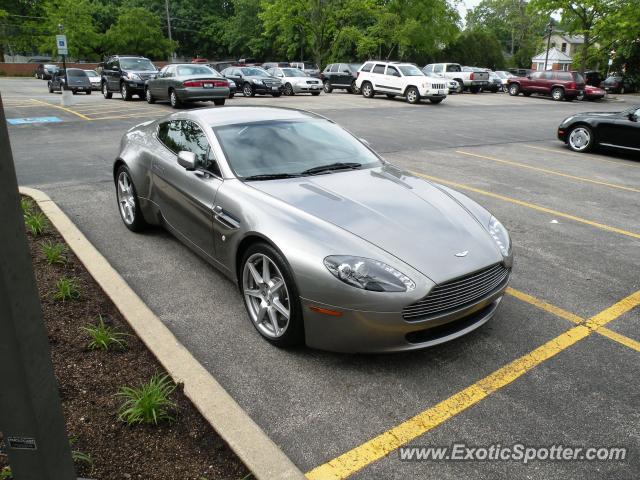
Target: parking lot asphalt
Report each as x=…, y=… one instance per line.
x=542, y=372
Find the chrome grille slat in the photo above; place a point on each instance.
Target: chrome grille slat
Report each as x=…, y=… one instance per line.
x=458, y=292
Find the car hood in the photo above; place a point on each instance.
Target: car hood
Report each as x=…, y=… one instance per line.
x=257, y=77
x=408, y=217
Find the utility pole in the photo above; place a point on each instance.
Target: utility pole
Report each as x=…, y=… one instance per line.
x=549, y=32
x=166, y=7
x=30, y=414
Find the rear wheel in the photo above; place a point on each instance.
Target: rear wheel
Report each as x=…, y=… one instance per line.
x=288, y=90
x=460, y=86
x=326, y=86
x=367, y=90
x=354, y=88
x=580, y=139
x=271, y=296
x=218, y=101
x=173, y=99
x=105, y=91
x=557, y=94
x=514, y=89
x=412, y=94
x=125, y=92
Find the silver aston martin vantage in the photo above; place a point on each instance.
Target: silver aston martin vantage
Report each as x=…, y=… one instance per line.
x=329, y=244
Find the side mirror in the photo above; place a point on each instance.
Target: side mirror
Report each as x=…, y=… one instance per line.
x=187, y=160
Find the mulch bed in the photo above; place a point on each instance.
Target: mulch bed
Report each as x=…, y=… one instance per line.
x=185, y=449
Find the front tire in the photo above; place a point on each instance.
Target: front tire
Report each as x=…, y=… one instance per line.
x=557, y=94
x=271, y=296
x=367, y=90
x=128, y=203
x=125, y=92
x=580, y=139
x=514, y=89
x=105, y=91
x=50, y=87
x=326, y=86
x=148, y=96
x=413, y=96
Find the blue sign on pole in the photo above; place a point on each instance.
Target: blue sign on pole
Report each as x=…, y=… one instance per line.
x=24, y=121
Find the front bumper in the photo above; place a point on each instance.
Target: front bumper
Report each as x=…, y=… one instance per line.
x=96, y=86
x=434, y=93
x=306, y=88
x=135, y=86
x=562, y=134
x=265, y=90
x=368, y=332
x=199, y=94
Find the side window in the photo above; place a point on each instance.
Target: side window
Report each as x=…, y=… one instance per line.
x=327, y=68
x=393, y=71
x=536, y=76
x=184, y=135
x=334, y=68
x=547, y=76
x=454, y=67
x=429, y=69
x=367, y=67
x=378, y=69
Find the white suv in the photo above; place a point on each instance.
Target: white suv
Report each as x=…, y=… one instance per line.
x=403, y=79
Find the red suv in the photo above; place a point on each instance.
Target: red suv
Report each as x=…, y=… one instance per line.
x=560, y=85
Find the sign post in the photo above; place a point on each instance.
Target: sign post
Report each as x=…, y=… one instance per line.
x=61, y=42
x=30, y=414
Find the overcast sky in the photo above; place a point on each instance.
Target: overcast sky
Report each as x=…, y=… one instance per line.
x=464, y=6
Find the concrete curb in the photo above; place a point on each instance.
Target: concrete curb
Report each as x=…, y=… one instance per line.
x=256, y=450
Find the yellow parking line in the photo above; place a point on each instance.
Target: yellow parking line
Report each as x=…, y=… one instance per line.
x=359, y=457
x=557, y=311
x=548, y=171
x=62, y=108
x=133, y=115
x=531, y=205
x=123, y=112
x=581, y=156
x=616, y=337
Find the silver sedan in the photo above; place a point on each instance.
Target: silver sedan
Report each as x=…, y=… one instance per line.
x=296, y=81
x=329, y=244
x=182, y=83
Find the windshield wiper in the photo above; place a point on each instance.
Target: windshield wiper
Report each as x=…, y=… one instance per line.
x=332, y=167
x=271, y=176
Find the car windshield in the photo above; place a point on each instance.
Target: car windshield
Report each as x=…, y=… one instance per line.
x=51, y=67
x=72, y=72
x=502, y=74
x=293, y=72
x=577, y=77
x=194, y=70
x=139, y=64
x=310, y=66
x=91, y=73
x=613, y=79
x=411, y=71
x=290, y=147
x=254, y=72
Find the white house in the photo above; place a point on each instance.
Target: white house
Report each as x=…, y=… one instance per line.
x=556, y=60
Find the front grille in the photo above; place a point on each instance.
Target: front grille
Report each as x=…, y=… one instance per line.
x=438, y=86
x=313, y=82
x=145, y=76
x=458, y=293
x=271, y=84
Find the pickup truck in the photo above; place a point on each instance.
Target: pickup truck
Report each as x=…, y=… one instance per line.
x=468, y=78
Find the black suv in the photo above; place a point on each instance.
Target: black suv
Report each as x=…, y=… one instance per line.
x=340, y=75
x=127, y=75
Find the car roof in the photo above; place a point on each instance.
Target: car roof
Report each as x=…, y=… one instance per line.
x=216, y=117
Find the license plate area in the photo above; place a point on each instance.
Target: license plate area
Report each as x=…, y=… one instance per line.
x=207, y=85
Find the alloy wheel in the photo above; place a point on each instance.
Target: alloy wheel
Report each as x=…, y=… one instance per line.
x=123, y=91
x=266, y=295
x=288, y=89
x=579, y=139
x=367, y=90
x=247, y=90
x=126, y=198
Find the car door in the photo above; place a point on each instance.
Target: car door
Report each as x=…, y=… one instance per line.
x=155, y=85
x=624, y=131
x=378, y=77
x=393, y=80
x=342, y=75
x=186, y=198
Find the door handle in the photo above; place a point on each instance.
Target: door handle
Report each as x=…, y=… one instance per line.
x=225, y=219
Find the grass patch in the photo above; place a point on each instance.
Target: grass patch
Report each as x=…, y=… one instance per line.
x=66, y=289
x=54, y=253
x=26, y=205
x=104, y=337
x=36, y=223
x=148, y=404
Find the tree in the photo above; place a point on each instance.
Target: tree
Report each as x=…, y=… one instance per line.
x=583, y=17
x=137, y=31
x=477, y=47
x=74, y=16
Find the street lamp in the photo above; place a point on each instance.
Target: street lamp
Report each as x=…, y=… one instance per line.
x=549, y=32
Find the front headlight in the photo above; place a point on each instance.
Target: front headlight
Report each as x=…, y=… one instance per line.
x=368, y=274
x=500, y=236
x=133, y=76
x=255, y=80
x=232, y=83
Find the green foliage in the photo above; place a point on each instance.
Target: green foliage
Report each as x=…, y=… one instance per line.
x=138, y=31
x=5, y=473
x=104, y=337
x=82, y=458
x=54, y=253
x=66, y=289
x=26, y=205
x=36, y=223
x=478, y=48
x=148, y=404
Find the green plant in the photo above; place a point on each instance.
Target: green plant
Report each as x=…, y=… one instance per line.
x=36, y=222
x=148, y=404
x=54, y=253
x=66, y=289
x=26, y=205
x=104, y=337
x=81, y=457
x=5, y=473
